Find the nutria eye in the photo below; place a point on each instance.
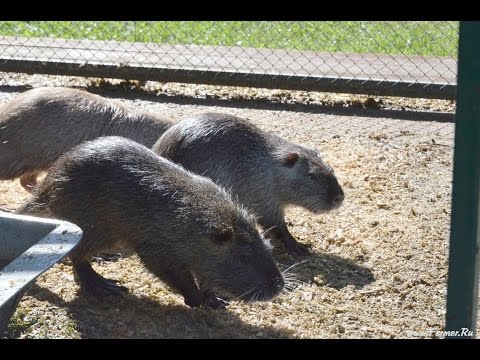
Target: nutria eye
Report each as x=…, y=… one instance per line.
x=222, y=237
x=244, y=259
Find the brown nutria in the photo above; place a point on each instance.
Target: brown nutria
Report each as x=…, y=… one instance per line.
x=265, y=172
x=39, y=125
x=186, y=229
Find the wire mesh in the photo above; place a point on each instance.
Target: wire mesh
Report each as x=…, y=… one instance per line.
x=387, y=53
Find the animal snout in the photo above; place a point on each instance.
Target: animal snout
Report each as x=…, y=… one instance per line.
x=338, y=198
x=335, y=195
x=277, y=284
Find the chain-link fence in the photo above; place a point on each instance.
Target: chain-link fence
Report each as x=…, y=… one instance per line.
x=394, y=164
x=387, y=58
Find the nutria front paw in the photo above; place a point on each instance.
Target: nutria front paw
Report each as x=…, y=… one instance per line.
x=297, y=249
x=212, y=301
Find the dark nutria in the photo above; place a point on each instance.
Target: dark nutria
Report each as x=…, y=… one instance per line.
x=264, y=171
x=186, y=229
x=39, y=125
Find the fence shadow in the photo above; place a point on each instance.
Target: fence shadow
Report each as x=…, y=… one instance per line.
x=119, y=91
x=264, y=104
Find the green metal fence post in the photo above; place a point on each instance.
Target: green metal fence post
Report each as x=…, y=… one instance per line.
x=464, y=236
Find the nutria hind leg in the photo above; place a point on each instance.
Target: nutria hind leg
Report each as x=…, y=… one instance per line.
x=94, y=283
x=29, y=180
x=280, y=231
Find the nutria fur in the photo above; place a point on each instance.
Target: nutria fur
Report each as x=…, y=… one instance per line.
x=264, y=171
x=39, y=125
x=186, y=229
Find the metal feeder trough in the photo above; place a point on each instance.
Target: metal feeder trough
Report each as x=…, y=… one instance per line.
x=29, y=246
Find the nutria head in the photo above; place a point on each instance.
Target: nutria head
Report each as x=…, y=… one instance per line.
x=229, y=255
x=305, y=180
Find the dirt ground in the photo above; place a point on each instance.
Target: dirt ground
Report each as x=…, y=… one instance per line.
x=379, y=264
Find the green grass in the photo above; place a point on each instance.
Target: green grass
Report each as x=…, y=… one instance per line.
x=18, y=324
x=438, y=38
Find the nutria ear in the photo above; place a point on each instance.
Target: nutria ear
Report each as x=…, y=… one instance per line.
x=222, y=236
x=291, y=159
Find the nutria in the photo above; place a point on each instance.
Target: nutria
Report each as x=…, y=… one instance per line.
x=186, y=229
x=265, y=172
x=39, y=125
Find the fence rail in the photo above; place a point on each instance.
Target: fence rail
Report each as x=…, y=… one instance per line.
x=305, y=65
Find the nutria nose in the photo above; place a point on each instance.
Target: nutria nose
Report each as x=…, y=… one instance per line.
x=278, y=283
x=338, y=198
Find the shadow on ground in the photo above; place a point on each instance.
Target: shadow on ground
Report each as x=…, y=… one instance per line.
x=116, y=91
x=265, y=104
x=334, y=271
x=128, y=316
